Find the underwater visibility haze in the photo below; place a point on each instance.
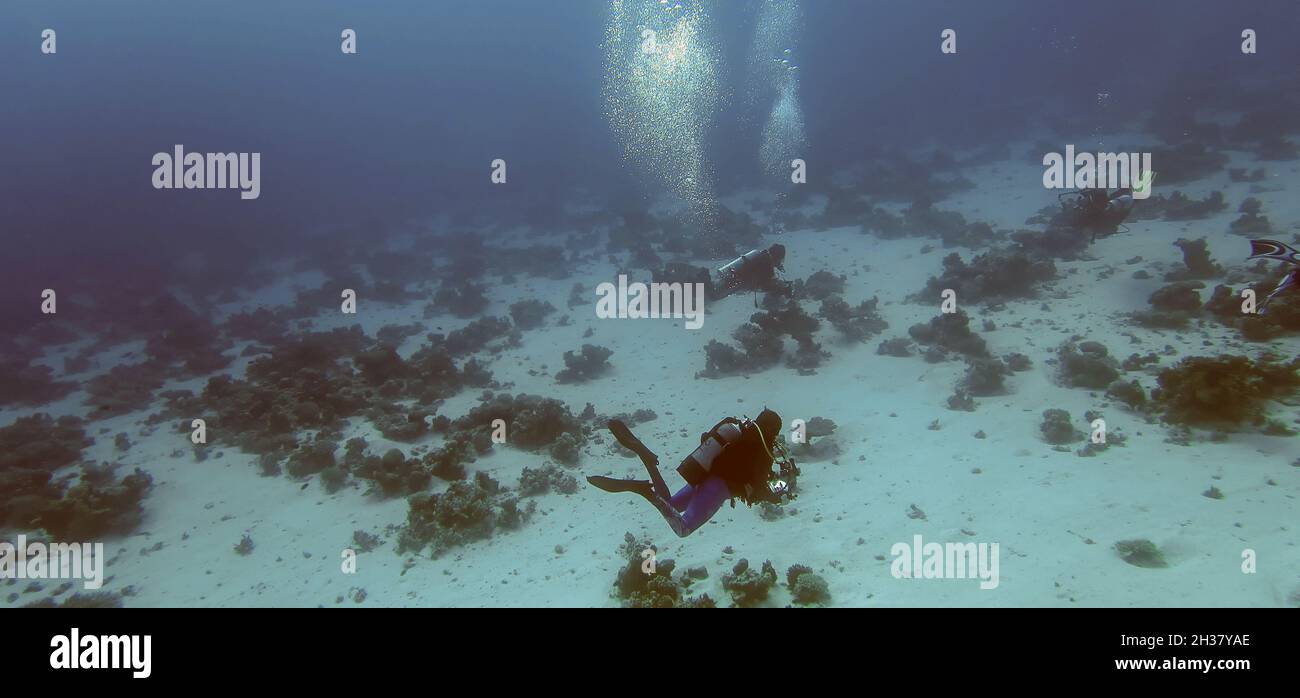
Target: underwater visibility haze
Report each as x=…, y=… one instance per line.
x=651, y=303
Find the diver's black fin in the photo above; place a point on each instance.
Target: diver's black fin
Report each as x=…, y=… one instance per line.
x=610, y=484
x=629, y=441
x=1272, y=249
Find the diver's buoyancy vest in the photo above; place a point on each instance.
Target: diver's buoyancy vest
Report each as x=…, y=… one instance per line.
x=695, y=467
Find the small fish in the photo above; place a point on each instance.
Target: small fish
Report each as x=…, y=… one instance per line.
x=1272, y=249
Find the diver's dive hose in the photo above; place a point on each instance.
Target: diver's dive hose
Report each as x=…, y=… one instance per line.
x=784, y=462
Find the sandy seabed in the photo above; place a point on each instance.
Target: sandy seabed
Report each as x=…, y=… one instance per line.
x=1055, y=515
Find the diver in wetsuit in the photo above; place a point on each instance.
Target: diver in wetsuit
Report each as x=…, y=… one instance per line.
x=1098, y=211
x=734, y=460
x=1272, y=249
x=753, y=271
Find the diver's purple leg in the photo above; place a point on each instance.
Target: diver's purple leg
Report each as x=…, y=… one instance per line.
x=708, y=499
x=700, y=502
x=683, y=497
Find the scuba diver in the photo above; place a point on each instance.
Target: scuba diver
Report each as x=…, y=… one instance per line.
x=753, y=271
x=1272, y=249
x=1096, y=210
x=734, y=460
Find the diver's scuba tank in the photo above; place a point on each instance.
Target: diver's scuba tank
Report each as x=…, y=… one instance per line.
x=695, y=467
x=730, y=273
x=735, y=265
x=1119, y=205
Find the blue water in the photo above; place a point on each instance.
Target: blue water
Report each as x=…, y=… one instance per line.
x=404, y=128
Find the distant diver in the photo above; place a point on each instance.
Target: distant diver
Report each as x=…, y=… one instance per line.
x=1097, y=211
x=753, y=271
x=1272, y=249
x=734, y=460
